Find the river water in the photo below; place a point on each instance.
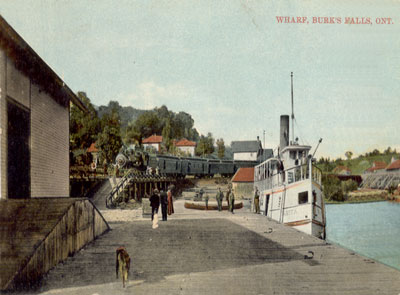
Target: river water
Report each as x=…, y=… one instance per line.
x=370, y=229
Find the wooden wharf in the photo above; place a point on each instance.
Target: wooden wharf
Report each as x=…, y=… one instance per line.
x=211, y=252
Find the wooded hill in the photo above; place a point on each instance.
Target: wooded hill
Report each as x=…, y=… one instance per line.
x=359, y=164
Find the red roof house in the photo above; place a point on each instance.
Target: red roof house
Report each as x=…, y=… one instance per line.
x=395, y=165
x=186, y=146
x=342, y=170
x=244, y=175
x=92, y=148
x=94, y=151
x=185, y=142
x=153, y=141
x=377, y=165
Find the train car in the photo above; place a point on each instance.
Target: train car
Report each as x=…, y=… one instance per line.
x=180, y=167
x=226, y=168
x=169, y=165
x=213, y=167
x=194, y=166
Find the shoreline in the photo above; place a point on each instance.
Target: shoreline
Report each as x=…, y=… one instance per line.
x=355, y=201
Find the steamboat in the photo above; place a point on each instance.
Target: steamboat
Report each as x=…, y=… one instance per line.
x=289, y=184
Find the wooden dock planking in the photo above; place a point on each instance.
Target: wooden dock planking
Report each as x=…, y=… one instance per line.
x=336, y=268
x=36, y=234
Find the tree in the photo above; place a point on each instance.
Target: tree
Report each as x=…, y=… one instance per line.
x=325, y=164
x=205, y=146
x=221, y=148
x=348, y=155
x=388, y=151
x=147, y=124
x=375, y=152
x=333, y=189
x=84, y=127
x=131, y=136
x=109, y=140
x=166, y=134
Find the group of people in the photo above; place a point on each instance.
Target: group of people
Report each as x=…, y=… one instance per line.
x=165, y=200
x=230, y=199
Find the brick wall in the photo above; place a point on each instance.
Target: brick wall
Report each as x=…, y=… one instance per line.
x=49, y=146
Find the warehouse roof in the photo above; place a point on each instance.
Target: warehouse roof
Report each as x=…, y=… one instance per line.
x=29, y=62
x=247, y=146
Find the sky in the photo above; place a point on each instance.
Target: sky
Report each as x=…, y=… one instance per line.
x=228, y=63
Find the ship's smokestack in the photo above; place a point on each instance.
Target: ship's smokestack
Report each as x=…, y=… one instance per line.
x=284, y=134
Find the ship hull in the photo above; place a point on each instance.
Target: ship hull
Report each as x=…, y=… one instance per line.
x=299, y=205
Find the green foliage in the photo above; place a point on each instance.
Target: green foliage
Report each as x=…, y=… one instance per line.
x=359, y=164
x=205, y=146
x=336, y=190
x=325, y=164
x=333, y=189
x=166, y=134
x=109, y=140
x=84, y=127
x=221, y=148
x=349, y=186
x=348, y=155
x=163, y=122
x=127, y=114
x=131, y=136
x=392, y=188
x=146, y=125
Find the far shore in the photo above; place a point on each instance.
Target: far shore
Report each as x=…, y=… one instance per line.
x=366, y=196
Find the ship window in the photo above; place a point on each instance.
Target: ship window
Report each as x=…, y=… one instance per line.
x=293, y=155
x=303, y=197
x=290, y=177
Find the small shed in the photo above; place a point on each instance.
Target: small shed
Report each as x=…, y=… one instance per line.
x=243, y=182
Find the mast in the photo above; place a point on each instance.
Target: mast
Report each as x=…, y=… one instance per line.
x=291, y=77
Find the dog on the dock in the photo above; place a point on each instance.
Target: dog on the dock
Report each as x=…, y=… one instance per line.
x=123, y=264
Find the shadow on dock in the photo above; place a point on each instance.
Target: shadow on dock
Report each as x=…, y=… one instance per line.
x=176, y=247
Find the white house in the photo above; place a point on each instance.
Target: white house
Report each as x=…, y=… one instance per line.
x=246, y=150
x=34, y=122
x=186, y=146
x=153, y=141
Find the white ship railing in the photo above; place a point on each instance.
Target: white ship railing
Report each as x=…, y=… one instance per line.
x=289, y=176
